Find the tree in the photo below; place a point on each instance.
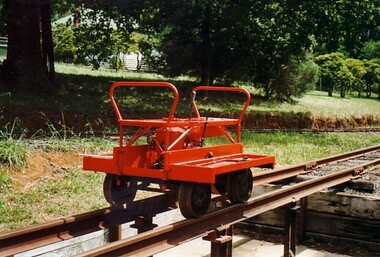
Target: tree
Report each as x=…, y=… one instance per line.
x=29, y=65
x=107, y=29
x=93, y=37
x=339, y=72
x=64, y=47
x=226, y=41
x=344, y=25
x=357, y=69
x=371, y=51
x=372, y=77
x=334, y=72
x=189, y=38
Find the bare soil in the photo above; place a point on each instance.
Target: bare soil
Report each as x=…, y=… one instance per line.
x=42, y=163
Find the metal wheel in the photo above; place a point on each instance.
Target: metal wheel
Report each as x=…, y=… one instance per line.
x=119, y=190
x=194, y=199
x=239, y=186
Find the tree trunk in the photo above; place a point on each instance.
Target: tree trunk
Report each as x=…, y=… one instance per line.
x=24, y=66
x=342, y=91
x=47, y=39
x=206, y=49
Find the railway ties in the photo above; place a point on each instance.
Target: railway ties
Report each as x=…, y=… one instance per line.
x=217, y=224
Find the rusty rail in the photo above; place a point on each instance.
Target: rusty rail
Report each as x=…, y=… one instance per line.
x=302, y=168
x=152, y=242
x=20, y=240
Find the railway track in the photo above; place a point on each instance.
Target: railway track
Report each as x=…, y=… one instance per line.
x=215, y=226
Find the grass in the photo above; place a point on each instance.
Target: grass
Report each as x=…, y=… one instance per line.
x=292, y=148
x=320, y=105
x=50, y=198
x=12, y=151
x=67, y=191
x=81, y=104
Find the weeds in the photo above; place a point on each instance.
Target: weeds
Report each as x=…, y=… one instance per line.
x=5, y=180
x=12, y=152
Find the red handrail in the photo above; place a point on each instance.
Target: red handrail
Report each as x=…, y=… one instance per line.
x=222, y=89
x=143, y=84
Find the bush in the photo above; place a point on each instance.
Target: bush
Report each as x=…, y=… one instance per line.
x=371, y=50
x=294, y=79
x=64, y=47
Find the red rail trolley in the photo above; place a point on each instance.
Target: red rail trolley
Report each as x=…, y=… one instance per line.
x=173, y=155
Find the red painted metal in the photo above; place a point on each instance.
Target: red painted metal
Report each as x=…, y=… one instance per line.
x=176, y=151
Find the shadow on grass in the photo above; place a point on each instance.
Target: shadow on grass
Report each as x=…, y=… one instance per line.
x=81, y=102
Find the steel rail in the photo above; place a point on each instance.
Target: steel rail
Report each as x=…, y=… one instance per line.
x=24, y=239
x=163, y=238
x=268, y=176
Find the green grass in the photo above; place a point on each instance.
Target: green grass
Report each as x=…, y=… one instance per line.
x=12, y=151
x=319, y=104
x=75, y=191
x=292, y=148
x=80, y=103
x=84, y=92
x=50, y=198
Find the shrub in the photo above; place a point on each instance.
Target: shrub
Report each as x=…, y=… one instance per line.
x=64, y=47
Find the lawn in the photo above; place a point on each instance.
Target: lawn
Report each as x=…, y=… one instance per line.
x=80, y=104
x=51, y=183
x=318, y=104
x=41, y=177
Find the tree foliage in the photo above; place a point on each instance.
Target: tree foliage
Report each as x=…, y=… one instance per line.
x=64, y=43
x=347, y=74
x=371, y=51
x=226, y=41
x=261, y=42
x=345, y=25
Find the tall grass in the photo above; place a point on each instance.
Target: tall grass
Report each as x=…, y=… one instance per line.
x=12, y=152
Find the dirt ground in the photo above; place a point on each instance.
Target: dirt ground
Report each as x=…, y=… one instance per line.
x=41, y=163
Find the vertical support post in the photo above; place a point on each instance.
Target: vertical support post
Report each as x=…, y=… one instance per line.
x=221, y=242
x=114, y=233
x=112, y=222
x=290, y=236
x=144, y=223
x=302, y=220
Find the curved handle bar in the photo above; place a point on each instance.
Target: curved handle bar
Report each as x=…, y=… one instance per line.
x=222, y=89
x=143, y=84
